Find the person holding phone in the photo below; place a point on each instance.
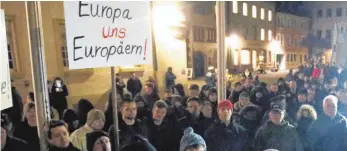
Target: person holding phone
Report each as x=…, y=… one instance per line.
x=59, y=94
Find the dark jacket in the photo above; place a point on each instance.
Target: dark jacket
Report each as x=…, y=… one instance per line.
x=59, y=100
x=234, y=97
x=127, y=131
x=303, y=126
x=328, y=134
x=151, y=99
x=170, y=80
x=281, y=137
x=15, y=112
x=69, y=148
x=134, y=86
x=28, y=134
x=120, y=87
x=162, y=136
x=15, y=144
x=220, y=137
x=199, y=124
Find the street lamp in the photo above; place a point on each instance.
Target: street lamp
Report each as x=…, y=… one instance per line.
x=275, y=47
x=234, y=42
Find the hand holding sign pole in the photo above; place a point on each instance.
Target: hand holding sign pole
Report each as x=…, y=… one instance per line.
x=5, y=80
x=108, y=34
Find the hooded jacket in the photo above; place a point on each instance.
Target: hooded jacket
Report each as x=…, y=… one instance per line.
x=328, y=134
x=282, y=137
x=220, y=137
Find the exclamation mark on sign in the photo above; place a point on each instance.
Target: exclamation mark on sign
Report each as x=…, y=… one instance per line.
x=144, y=58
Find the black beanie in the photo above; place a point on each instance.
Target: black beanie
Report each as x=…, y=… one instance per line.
x=138, y=143
x=92, y=137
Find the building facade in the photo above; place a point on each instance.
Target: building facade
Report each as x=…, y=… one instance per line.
x=291, y=30
x=253, y=25
x=92, y=84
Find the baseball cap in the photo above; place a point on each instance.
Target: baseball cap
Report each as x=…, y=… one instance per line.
x=303, y=92
x=194, y=87
x=225, y=104
x=244, y=94
x=277, y=108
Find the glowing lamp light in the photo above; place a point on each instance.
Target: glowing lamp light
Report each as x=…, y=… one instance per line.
x=275, y=47
x=234, y=41
x=168, y=19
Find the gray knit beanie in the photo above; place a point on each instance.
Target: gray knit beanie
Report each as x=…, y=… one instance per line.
x=190, y=138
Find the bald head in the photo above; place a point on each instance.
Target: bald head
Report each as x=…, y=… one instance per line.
x=330, y=106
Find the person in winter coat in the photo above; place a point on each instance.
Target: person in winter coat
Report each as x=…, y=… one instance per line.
x=58, y=137
x=244, y=100
x=170, y=78
x=212, y=98
x=316, y=72
x=71, y=119
x=59, y=94
x=83, y=108
x=204, y=92
x=260, y=97
x=329, y=131
x=277, y=133
x=194, y=117
x=15, y=112
x=225, y=134
x=273, y=91
x=179, y=90
x=161, y=131
x=134, y=85
x=98, y=141
x=305, y=117
x=176, y=109
x=120, y=85
x=9, y=143
x=138, y=143
x=143, y=111
x=234, y=97
x=150, y=95
x=249, y=118
x=211, y=77
x=342, y=96
x=128, y=124
x=290, y=76
x=192, y=141
x=27, y=129
x=95, y=122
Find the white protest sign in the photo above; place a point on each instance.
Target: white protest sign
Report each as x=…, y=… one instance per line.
x=5, y=80
x=107, y=33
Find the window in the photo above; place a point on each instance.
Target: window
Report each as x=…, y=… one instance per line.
x=319, y=13
x=245, y=10
x=328, y=34
x=338, y=12
x=245, y=57
x=10, y=33
x=269, y=15
x=235, y=7
x=288, y=56
x=62, y=43
x=294, y=57
x=198, y=33
x=262, y=14
x=329, y=12
x=319, y=34
x=211, y=35
x=262, y=34
x=269, y=35
x=254, y=11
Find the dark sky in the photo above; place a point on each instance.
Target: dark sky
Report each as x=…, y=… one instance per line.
x=292, y=7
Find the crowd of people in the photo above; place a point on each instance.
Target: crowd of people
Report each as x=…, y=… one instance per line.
x=304, y=111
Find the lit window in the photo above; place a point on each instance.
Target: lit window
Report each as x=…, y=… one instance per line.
x=269, y=35
x=245, y=11
x=262, y=34
x=245, y=57
x=270, y=15
x=262, y=14
x=235, y=7
x=254, y=11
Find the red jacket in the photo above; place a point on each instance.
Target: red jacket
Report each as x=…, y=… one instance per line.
x=316, y=73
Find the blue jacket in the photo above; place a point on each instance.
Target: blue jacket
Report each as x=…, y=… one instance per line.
x=328, y=134
x=220, y=137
